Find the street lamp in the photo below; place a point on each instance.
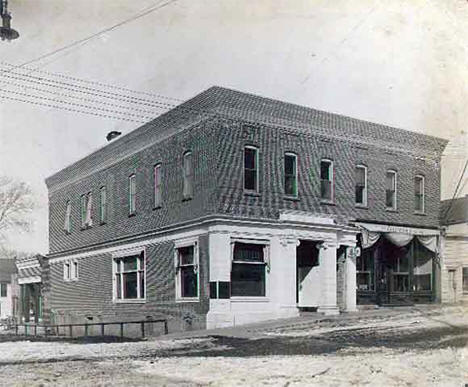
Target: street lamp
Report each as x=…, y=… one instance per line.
x=6, y=32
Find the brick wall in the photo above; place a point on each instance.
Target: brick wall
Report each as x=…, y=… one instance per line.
x=174, y=209
x=91, y=295
x=310, y=148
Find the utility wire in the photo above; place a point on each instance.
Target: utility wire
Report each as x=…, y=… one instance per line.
x=83, y=41
x=444, y=218
x=95, y=83
x=88, y=90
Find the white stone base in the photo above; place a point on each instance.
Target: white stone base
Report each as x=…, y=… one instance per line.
x=328, y=310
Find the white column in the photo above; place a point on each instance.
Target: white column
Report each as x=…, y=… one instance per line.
x=350, y=280
x=219, y=314
x=285, y=275
x=327, y=259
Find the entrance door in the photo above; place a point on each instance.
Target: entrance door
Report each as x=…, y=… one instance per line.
x=452, y=287
x=308, y=276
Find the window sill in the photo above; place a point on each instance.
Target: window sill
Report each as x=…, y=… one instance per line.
x=391, y=210
x=327, y=202
x=291, y=198
x=249, y=299
x=419, y=213
x=85, y=228
x=186, y=199
x=362, y=206
x=252, y=193
x=187, y=299
x=131, y=301
x=132, y=215
x=157, y=208
x=102, y=223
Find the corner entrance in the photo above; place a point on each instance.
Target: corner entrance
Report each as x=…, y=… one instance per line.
x=308, y=274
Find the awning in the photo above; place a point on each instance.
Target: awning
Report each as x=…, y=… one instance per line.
x=398, y=235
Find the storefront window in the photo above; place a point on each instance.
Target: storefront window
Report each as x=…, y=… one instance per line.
x=365, y=270
x=400, y=274
x=248, y=270
x=422, y=271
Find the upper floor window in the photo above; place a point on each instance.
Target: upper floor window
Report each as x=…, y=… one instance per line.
x=391, y=190
x=419, y=194
x=186, y=264
x=102, y=205
x=188, y=175
x=326, y=180
x=67, y=224
x=251, y=168
x=290, y=174
x=157, y=186
x=3, y=290
x=132, y=194
x=361, y=185
x=129, y=277
x=87, y=210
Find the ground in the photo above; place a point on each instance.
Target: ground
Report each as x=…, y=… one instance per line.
x=417, y=346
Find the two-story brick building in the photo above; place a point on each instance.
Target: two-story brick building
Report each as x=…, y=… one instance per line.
x=233, y=208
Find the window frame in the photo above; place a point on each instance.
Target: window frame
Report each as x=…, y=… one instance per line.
x=120, y=256
x=256, y=190
x=364, y=192
x=3, y=290
x=265, y=263
x=187, y=188
x=67, y=271
x=331, y=166
x=422, y=194
x=295, y=176
x=395, y=185
x=132, y=192
x=103, y=205
x=157, y=182
x=464, y=290
x=67, y=224
x=196, y=263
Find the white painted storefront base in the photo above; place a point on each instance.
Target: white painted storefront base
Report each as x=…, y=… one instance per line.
x=280, y=301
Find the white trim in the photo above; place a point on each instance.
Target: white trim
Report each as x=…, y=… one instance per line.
x=331, y=174
x=29, y=280
x=423, y=181
x=395, y=185
x=296, y=167
x=210, y=225
x=196, y=265
x=257, y=169
x=122, y=254
x=400, y=229
x=364, y=195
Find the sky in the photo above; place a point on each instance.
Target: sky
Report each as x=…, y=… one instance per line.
x=402, y=63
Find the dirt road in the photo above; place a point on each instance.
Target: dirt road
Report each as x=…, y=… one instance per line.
x=418, y=346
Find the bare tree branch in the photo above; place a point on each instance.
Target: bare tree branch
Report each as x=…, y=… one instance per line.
x=16, y=206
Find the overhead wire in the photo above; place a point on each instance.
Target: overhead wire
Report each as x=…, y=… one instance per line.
x=85, y=40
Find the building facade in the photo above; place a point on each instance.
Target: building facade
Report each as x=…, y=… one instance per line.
x=8, y=289
x=454, y=219
x=31, y=270
x=233, y=208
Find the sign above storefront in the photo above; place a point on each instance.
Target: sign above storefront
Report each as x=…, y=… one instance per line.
x=384, y=228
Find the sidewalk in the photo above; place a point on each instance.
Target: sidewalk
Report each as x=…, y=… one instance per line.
x=311, y=319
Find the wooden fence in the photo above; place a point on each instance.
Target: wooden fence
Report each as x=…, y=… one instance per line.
x=54, y=329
